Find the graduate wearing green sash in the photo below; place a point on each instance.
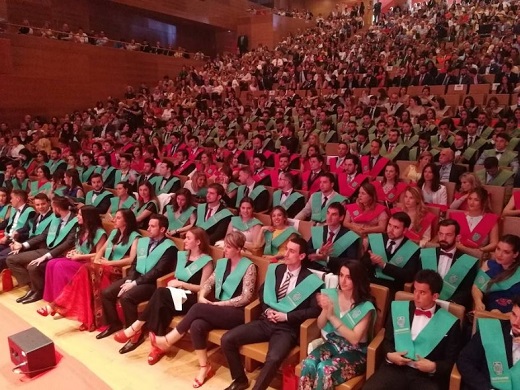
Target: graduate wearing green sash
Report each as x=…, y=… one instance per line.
x=4, y=212
x=276, y=238
x=22, y=213
x=179, y=219
x=116, y=203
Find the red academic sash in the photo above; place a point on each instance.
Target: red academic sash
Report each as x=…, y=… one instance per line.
x=516, y=195
x=292, y=157
x=261, y=175
x=275, y=174
x=238, y=152
x=332, y=165
x=315, y=186
x=348, y=189
x=376, y=169
x=196, y=155
x=426, y=222
x=209, y=171
x=181, y=169
x=392, y=196
x=359, y=216
x=463, y=205
x=126, y=147
x=474, y=238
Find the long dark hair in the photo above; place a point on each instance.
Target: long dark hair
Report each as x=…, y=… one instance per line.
x=74, y=175
x=151, y=191
x=514, y=242
x=91, y=223
x=359, y=275
x=189, y=199
x=436, y=181
x=131, y=226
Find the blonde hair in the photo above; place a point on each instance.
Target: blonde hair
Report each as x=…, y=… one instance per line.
x=235, y=239
x=421, y=208
x=472, y=179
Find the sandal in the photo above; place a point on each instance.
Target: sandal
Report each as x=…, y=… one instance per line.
x=155, y=355
x=122, y=338
x=207, y=375
x=44, y=311
x=153, y=340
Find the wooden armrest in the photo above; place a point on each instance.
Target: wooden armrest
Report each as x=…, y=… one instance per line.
x=124, y=270
x=408, y=287
x=308, y=331
x=252, y=311
x=375, y=353
x=163, y=280
x=455, y=378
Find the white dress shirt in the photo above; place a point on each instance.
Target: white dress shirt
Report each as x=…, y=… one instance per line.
x=445, y=263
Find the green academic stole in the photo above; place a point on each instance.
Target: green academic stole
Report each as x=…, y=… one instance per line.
x=352, y=317
x=127, y=204
x=99, y=198
x=469, y=152
x=395, y=152
x=506, y=158
x=237, y=223
x=86, y=173
x=156, y=182
x=22, y=219
x=293, y=299
x=35, y=189
x=338, y=247
x=272, y=244
x=20, y=186
x=253, y=194
x=117, y=177
x=215, y=218
x=41, y=227
x=53, y=165
x=147, y=260
x=318, y=213
x=513, y=144
x=399, y=259
x=167, y=187
x=482, y=281
x=486, y=132
x=502, y=377
x=139, y=209
x=456, y=273
x=180, y=221
x=184, y=272
x=412, y=141
x=107, y=173
x=231, y=187
x=435, y=141
x=225, y=289
x=503, y=176
x=430, y=336
x=85, y=248
x=291, y=199
x=55, y=237
x=4, y=211
x=118, y=251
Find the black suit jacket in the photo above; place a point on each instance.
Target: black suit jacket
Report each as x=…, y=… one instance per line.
x=104, y=205
x=401, y=275
x=455, y=172
x=68, y=242
x=399, y=81
x=165, y=265
x=444, y=354
x=307, y=309
x=403, y=154
x=428, y=80
x=34, y=219
x=334, y=263
x=217, y=231
x=23, y=232
x=142, y=179
x=439, y=80
x=472, y=362
x=99, y=129
x=296, y=207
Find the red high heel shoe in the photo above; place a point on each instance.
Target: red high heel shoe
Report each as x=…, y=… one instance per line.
x=207, y=375
x=44, y=311
x=155, y=355
x=120, y=336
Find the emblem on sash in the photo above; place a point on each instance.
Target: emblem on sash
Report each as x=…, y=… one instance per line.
x=497, y=368
x=475, y=237
x=142, y=252
x=354, y=184
x=453, y=279
x=296, y=297
x=365, y=169
x=401, y=321
x=356, y=313
x=398, y=260
x=356, y=213
x=480, y=280
x=391, y=196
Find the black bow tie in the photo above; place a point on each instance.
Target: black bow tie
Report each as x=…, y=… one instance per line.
x=285, y=193
x=97, y=192
x=450, y=255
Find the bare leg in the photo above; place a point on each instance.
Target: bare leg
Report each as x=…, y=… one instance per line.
x=205, y=370
x=165, y=342
x=134, y=328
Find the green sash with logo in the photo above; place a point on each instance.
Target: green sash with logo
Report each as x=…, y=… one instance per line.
x=293, y=299
x=400, y=257
x=147, y=260
x=430, y=336
x=55, y=235
x=99, y=198
x=180, y=221
x=156, y=182
x=500, y=179
x=22, y=219
x=319, y=214
x=106, y=174
x=184, y=272
x=41, y=227
x=469, y=152
x=118, y=251
x=4, y=211
x=412, y=141
x=86, y=173
x=352, y=317
x=85, y=248
x=214, y=219
x=139, y=209
x=36, y=190
x=291, y=199
x=253, y=194
x=225, y=289
x=24, y=185
x=167, y=187
x=272, y=245
x=482, y=280
x=237, y=223
x=395, y=152
x=114, y=204
x=53, y=165
x=502, y=377
x=456, y=273
x=339, y=246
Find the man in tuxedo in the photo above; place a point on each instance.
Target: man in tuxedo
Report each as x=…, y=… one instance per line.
x=155, y=257
x=331, y=243
x=392, y=259
x=402, y=79
x=374, y=164
x=287, y=163
x=185, y=165
x=494, y=175
x=248, y=188
x=447, y=78
x=496, y=344
x=310, y=177
x=394, y=107
x=293, y=202
x=505, y=157
x=288, y=298
x=106, y=170
x=148, y=172
x=423, y=78
x=464, y=77
x=394, y=149
x=29, y=259
x=369, y=81
x=372, y=110
x=336, y=163
x=232, y=149
x=457, y=269
x=98, y=197
x=487, y=67
x=507, y=68
x=449, y=171
x=213, y=216
x=421, y=341
x=167, y=183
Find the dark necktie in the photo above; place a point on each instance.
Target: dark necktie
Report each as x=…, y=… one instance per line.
x=470, y=140
x=284, y=287
x=390, y=247
x=209, y=213
x=152, y=245
x=330, y=238
x=447, y=254
x=390, y=148
x=419, y=312
x=246, y=192
x=324, y=203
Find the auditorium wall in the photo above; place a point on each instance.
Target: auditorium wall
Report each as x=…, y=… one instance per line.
x=47, y=77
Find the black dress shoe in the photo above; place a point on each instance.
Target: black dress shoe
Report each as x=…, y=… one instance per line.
x=108, y=331
x=34, y=297
x=235, y=385
x=130, y=346
x=19, y=300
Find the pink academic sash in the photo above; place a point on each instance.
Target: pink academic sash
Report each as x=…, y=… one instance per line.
x=261, y=175
x=463, y=205
x=359, y=216
x=228, y=153
x=516, y=195
x=209, y=171
x=292, y=157
x=376, y=169
x=474, y=238
x=181, y=169
x=426, y=222
x=348, y=189
x=195, y=156
x=315, y=186
x=332, y=165
x=392, y=196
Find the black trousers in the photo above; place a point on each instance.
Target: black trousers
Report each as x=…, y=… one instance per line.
x=392, y=377
x=281, y=337
x=18, y=264
x=129, y=301
x=37, y=275
x=4, y=252
x=160, y=310
x=204, y=317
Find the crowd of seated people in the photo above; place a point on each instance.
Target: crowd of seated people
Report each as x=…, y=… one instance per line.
x=423, y=200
